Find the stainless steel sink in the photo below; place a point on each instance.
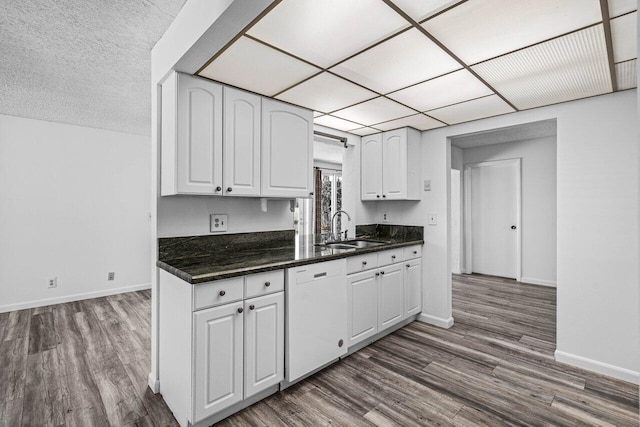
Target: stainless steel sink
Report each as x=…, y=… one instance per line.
x=352, y=244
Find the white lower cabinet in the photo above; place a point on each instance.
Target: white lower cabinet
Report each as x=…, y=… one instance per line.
x=390, y=296
x=362, y=303
x=413, y=287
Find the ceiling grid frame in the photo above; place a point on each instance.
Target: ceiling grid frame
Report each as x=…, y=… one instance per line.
x=606, y=22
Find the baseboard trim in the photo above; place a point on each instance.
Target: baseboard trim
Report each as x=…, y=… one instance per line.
x=598, y=367
x=541, y=282
x=74, y=297
x=154, y=383
x=436, y=321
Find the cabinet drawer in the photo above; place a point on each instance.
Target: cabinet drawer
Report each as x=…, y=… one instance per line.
x=390, y=257
x=412, y=252
x=264, y=283
x=218, y=292
x=360, y=263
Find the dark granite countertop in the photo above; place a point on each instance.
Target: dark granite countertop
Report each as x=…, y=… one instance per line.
x=201, y=259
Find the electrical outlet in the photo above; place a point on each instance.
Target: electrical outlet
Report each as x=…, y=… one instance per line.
x=385, y=216
x=218, y=223
x=53, y=282
x=111, y=275
x=433, y=218
x=427, y=185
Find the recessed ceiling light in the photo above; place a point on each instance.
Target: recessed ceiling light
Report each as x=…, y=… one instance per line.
x=326, y=92
x=250, y=65
x=566, y=68
x=405, y=59
x=472, y=110
x=336, y=123
x=327, y=31
x=375, y=111
x=446, y=90
x=624, y=37
x=481, y=29
x=418, y=121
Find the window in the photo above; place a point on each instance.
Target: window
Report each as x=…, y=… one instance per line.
x=313, y=216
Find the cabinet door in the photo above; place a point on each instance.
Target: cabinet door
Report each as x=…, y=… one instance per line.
x=199, y=148
x=390, y=296
x=287, y=150
x=264, y=343
x=413, y=287
x=362, y=306
x=218, y=359
x=371, y=167
x=241, y=146
x=394, y=164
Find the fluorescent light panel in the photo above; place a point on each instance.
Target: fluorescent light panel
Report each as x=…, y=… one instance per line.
x=253, y=66
x=326, y=92
x=405, y=59
x=570, y=67
x=375, y=111
x=626, y=74
x=481, y=29
x=446, y=90
x=624, y=37
x=336, y=123
x=418, y=121
x=326, y=31
x=618, y=7
x=420, y=10
x=472, y=110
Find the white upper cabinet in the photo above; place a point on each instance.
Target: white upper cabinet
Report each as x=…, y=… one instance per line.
x=241, y=146
x=371, y=163
x=287, y=150
x=390, y=165
x=191, y=136
x=217, y=140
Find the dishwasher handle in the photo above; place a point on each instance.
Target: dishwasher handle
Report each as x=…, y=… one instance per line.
x=315, y=276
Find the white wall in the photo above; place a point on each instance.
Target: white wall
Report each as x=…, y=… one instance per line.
x=538, y=202
x=597, y=227
x=74, y=205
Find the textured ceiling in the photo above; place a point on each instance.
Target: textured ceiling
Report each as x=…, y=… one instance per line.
x=366, y=66
x=522, y=132
x=84, y=62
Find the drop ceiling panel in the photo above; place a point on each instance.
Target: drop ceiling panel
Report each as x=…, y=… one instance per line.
x=326, y=92
x=624, y=37
x=336, y=123
x=418, y=121
x=446, y=90
x=253, y=66
x=405, y=59
x=626, y=75
x=566, y=68
x=618, y=7
x=481, y=29
x=364, y=131
x=375, y=111
x=420, y=10
x=472, y=110
x=324, y=32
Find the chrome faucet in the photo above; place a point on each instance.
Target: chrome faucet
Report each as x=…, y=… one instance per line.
x=339, y=236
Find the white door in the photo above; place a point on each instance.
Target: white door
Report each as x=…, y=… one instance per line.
x=218, y=359
x=413, y=287
x=494, y=217
x=241, y=146
x=390, y=296
x=394, y=164
x=264, y=343
x=287, y=150
x=199, y=150
x=362, y=306
x=371, y=167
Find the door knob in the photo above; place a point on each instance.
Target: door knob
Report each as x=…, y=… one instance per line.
x=513, y=227
x=252, y=307
x=229, y=190
x=240, y=310
x=378, y=196
x=267, y=284
x=222, y=293
x=218, y=188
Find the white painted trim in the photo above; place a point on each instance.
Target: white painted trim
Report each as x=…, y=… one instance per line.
x=541, y=282
x=154, y=383
x=436, y=321
x=598, y=367
x=468, y=230
x=74, y=297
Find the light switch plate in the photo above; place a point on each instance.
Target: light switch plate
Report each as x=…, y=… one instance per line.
x=433, y=218
x=218, y=223
x=427, y=185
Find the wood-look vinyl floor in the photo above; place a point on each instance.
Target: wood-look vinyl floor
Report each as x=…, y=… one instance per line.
x=86, y=363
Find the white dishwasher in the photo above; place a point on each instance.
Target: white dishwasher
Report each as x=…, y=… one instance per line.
x=316, y=320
